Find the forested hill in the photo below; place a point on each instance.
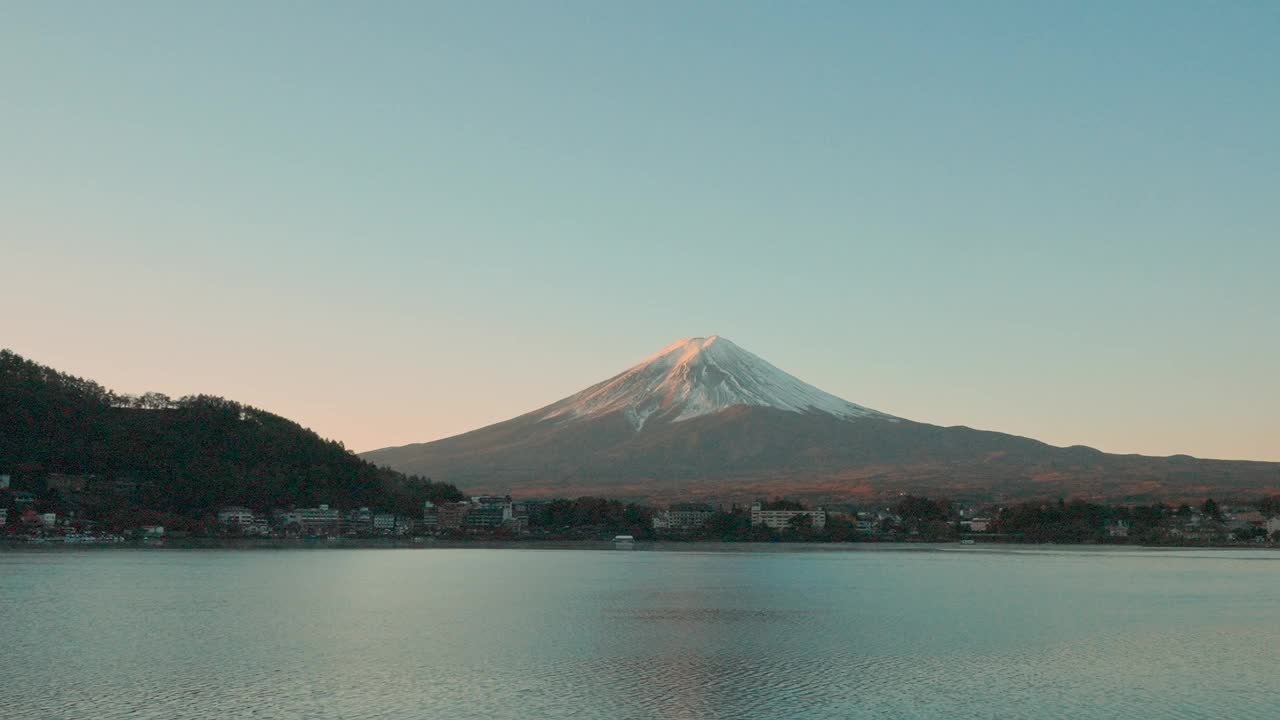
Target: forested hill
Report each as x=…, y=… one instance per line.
x=188, y=455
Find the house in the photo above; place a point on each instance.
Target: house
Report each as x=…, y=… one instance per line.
x=781, y=519
x=1118, y=529
x=151, y=531
x=4, y=482
x=22, y=497
x=4, y=516
x=48, y=519
x=976, y=524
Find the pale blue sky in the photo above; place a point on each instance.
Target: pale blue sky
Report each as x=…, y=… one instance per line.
x=394, y=222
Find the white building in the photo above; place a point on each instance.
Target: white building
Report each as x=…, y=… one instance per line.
x=495, y=502
x=682, y=517
x=235, y=516
x=781, y=519
x=48, y=519
x=4, y=482
x=1273, y=525
x=321, y=517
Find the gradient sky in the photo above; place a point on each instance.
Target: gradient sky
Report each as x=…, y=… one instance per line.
x=395, y=222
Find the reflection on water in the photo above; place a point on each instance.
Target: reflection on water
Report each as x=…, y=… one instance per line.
x=524, y=633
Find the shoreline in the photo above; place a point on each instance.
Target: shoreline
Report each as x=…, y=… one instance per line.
x=301, y=544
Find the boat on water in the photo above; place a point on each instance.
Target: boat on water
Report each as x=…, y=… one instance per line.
x=624, y=542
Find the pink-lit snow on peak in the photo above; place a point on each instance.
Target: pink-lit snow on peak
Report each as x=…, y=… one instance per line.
x=699, y=376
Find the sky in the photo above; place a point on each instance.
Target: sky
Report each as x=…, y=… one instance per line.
x=394, y=222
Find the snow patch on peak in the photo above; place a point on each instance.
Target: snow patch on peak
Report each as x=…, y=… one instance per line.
x=700, y=376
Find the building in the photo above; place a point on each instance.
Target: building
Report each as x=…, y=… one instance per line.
x=4, y=482
x=384, y=523
x=1118, y=529
x=486, y=517
x=430, y=516
x=528, y=508
x=781, y=519
x=1250, y=516
x=152, y=531
x=360, y=519
x=22, y=497
x=976, y=524
x=236, y=516
x=312, y=520
x=682, y=517
x=483, y=512
x=502, y=503
x=4, y=516
x=1272, y=525
x=451, y=515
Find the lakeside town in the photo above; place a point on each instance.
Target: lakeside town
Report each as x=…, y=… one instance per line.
x=86, y=509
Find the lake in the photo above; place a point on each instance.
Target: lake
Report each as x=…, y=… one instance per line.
x=529, y=633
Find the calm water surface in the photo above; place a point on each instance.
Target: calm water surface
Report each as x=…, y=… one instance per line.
x=964, y=633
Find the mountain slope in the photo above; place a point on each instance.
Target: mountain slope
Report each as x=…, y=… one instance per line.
x=188, y=455
x=704, y=418
x=700, y=376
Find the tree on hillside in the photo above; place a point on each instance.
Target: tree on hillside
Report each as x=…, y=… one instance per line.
x=915, y=509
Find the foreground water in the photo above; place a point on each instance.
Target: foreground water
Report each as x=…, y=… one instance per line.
x=421, y=634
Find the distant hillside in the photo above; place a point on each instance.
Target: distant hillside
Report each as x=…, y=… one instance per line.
x=187, y=455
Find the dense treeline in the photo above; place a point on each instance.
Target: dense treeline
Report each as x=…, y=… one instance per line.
x=188, y=455
x=610, y=516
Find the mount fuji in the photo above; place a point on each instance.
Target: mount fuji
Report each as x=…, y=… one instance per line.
x=701, y=376
x=705, y=418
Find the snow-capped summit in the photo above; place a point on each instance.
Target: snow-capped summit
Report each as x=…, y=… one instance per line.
x=700, y=376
